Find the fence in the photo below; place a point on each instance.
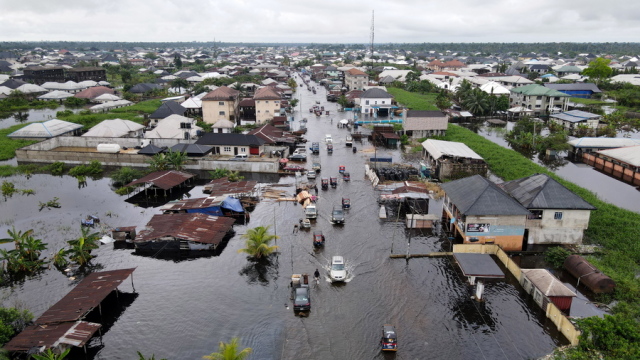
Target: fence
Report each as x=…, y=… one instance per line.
x=564, y=325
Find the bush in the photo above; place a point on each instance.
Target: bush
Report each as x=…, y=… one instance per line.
x=94, y=169
x=56, y=168
x=556, y=256
x=74, y=102
x=12, y=321
x=124, y=176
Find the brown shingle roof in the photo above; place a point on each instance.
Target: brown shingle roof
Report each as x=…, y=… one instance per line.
x=355, y=72
x=266, y=93
x=222, y=93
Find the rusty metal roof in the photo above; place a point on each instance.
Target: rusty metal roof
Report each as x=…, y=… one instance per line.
x=49, y=336
x=223, y=186
x=88, y=294
x=196, y=227
x=165, y=179
x=198, y=203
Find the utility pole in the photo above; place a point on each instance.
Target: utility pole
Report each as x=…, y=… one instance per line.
x=371, y=36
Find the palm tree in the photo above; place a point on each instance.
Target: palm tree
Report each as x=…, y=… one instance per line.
x=50, y=355
x=80, y=251
x=257, y=242
x=176, y=159
x=159, y=162
x=229, y=351
x=476, y=102
x=142, y=357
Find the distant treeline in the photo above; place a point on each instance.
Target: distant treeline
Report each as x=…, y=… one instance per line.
x=551, y=49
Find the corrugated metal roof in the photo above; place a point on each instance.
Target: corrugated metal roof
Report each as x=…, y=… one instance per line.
x=476, y=195
x=603, y=142
x=439, y=148
x=47, y=129
x=629, y=154
x=478, y=265
x=88, y=294
x=548, y=284
x=575, y=116
x=48, y=336
x=165, y=179
x=540, y=191
x=199, y=203
x=196, y=227
x=223, y=186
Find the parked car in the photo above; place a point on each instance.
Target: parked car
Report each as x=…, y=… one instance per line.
x=239, y=157
x=337, y=215
x=337, y=272
x=300, y=292
x=389, y=341
x=298, y=157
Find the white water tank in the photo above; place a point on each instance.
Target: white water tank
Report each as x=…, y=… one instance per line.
x=109, y=148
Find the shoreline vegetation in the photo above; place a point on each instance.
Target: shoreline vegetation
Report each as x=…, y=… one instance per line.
x=617, y=230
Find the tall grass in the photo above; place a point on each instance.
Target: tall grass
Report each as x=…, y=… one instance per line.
x=8, y=146
x=616, y=229
x=414, y=101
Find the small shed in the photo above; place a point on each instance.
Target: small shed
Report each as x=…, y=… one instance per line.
x=545, y=288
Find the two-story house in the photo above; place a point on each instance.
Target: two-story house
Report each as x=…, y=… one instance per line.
x=480, y=212
x=539, y=99
x=375, y=101
x=355, y=79
x=557, y=215
x=233, y=144
x=267, y=104
x=220, y=103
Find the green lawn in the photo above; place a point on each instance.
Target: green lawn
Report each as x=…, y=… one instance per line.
x=134, y=113
x=414, y=101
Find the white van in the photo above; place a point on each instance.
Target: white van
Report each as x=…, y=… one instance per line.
x=328, y=139
x=240, y=157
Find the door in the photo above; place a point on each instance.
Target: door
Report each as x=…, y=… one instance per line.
x=525, y=239
x=235, y=150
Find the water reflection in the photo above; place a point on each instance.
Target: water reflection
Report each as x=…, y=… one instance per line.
x=261, y=271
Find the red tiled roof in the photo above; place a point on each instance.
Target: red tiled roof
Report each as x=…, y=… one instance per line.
x=94, y=92
x=355, y=72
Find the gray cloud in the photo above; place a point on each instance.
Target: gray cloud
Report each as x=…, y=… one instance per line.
x=330, y=21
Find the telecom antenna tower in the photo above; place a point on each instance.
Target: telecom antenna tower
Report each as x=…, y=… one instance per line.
x=372, y=29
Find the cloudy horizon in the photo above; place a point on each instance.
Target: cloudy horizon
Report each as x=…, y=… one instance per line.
x=289, y=21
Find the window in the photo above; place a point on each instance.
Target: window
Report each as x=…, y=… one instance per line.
x=227, y=149
x=221, y=103
x=276, y=101
x=366, y=102
x=266, y=102
x=243, y=150
x=557, y=215
x=221, y=113
x=538, y=105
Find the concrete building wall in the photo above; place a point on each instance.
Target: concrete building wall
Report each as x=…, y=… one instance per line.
x=567, y=230
x=214, y=110
x=266, y=110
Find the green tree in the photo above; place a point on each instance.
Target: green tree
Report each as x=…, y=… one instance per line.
x=80, y=248
x=180, y=83
x=50, y=355
x=150, y=55
x=292, y=84
x=159, y=162
x=343, y=101
x=257, y=242
x=413, y=76
x=598, y=70
x=229, y=351
x=177, y=62
x=442, y=100
x=476, y=101
x=12, y=321
x=125, y=175
x=176, y=159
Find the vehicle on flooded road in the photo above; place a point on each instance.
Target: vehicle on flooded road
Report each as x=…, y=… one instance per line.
x=389, y=341
x=337, y=216
x=338, y=273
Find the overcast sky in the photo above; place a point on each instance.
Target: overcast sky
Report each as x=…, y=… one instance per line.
x=327, y=21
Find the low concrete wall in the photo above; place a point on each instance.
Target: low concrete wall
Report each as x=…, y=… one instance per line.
x=42, y=152
x=563, y=324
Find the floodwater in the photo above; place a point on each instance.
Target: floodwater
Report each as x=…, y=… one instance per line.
x=606, y=187
x=181, y=309
x=29, y=116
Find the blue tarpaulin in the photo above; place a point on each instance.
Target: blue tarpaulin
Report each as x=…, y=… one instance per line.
x=214, y=211
x=232, y=204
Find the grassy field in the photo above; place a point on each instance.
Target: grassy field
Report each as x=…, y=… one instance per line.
x=134, y=113
x=412, y=100
x=616, y=229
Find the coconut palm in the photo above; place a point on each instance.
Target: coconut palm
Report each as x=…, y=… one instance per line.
x=176, y=159
x=229, y=351
x=257, y=242
x=476, y=101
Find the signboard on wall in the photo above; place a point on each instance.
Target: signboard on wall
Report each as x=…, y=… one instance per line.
x=480, y=228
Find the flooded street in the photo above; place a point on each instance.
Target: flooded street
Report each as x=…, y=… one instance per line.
x=607, y=188
x=29, y=116
x=184, y=308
